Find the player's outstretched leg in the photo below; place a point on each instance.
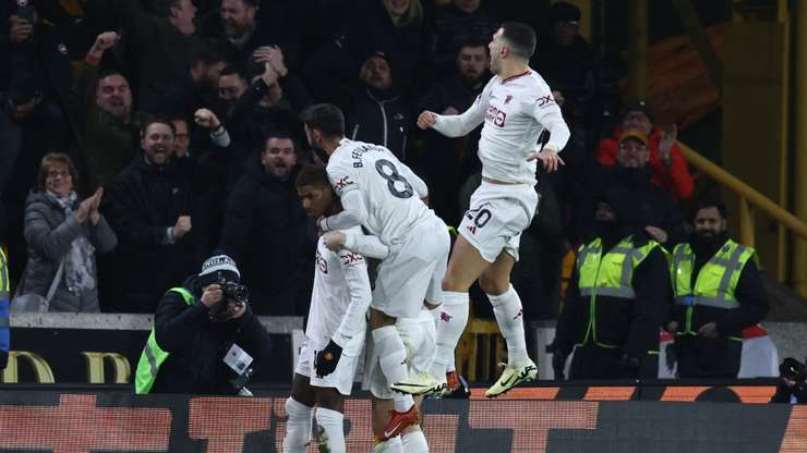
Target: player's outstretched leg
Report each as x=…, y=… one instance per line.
x=495, y=282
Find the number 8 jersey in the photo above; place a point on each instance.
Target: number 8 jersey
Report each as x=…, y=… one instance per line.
x=390, y=190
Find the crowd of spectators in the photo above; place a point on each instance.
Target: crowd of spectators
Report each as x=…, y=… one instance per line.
x=143, y=134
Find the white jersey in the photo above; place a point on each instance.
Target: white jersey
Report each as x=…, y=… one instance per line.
x=390, y=190
x=515, y=111
x=339, y=300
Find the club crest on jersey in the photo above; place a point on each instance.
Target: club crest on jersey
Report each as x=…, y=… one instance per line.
x=445, y=317
x=343, y=182
x=507, y=99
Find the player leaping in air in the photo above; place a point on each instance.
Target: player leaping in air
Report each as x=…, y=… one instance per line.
x=382, y=194
x=516, y=106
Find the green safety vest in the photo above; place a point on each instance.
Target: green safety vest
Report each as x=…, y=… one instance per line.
x=153, y=355
x=608, y=275
x=716, y=281
x=4, y=281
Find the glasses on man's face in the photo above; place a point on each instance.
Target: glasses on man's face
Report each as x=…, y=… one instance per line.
x=58, y=173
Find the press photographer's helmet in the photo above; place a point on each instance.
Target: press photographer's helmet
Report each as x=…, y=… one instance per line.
x=218, y=268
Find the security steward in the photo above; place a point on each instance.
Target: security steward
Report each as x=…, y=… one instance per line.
x=205, y=337
x=718, y=292
x=617, y=300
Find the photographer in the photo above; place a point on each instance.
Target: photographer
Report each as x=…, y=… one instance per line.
x=792, y=388
x=205, y=336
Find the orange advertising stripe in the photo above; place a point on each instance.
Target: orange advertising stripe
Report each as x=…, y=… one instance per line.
x=609, y=393
x=521, y=393
x=795, y=439
x=682, y=393
x=755, y=395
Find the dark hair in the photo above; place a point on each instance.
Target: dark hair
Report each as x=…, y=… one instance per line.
x=705, y=203
x=209, y=52
x=44, y=166
x=233, y=69
x=279, y=134
x=473, y=42
x=326, y=118
x=521, y=38
x=312, y=175
x=157, y=120
x=252, y=3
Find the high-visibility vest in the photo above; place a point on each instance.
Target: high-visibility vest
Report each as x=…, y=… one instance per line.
x=5, y=321
x=608, y=275
x=716, y=281
x=153, y=355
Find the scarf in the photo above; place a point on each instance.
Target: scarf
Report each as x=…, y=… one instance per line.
x=79, y=265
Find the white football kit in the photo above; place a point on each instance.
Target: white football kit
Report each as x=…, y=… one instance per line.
x=339, y=303
x=515, y=112
x=384, y=195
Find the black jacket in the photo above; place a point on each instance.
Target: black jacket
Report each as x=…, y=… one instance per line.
x=140, y=204
x=750, y=293
x=197, y=345
x=381, y=118
x=632, y=325
x=654, y=206
x=269, y=235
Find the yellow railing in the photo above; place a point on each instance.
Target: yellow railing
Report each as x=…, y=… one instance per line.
x=748, y=197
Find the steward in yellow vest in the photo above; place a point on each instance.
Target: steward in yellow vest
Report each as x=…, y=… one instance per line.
x=718, y=292
x=195, y=326
x=617, y=300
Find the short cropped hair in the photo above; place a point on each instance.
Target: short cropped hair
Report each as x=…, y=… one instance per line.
x=521, y=38
x=54, y=158
x=706, y=203
x=157, y=120
x=327, y=118
x=312, y=175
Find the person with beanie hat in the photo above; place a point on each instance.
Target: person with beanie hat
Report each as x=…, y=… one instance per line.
x=198, y=327
x=618, y=298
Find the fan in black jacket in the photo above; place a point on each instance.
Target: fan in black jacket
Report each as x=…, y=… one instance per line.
x=267, y=231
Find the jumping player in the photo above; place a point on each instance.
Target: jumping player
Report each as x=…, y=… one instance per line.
x=382, y=194
x=516, y=106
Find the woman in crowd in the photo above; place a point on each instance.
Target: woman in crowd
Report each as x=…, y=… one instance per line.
x=63, y=234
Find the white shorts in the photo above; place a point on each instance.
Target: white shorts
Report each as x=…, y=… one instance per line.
x=497, y=216
x=420, y=339
x=342, y=377
x=413, y=272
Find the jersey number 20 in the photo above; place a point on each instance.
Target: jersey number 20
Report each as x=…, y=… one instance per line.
x=388, y=171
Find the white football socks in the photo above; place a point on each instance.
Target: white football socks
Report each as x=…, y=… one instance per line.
x=392, y=358
x=298, y=427
x=414, y=442
x=510, y=317
x=393, y=445
x=450, y=319
x=332, y=433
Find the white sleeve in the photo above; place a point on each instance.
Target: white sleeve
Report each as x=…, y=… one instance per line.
x=369, y=246
x=354, y=213
x=460, y=125
x=546, y=111
x=353, y=322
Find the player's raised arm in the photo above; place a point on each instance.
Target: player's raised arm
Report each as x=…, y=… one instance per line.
x=457, y=125
x=354, y=241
